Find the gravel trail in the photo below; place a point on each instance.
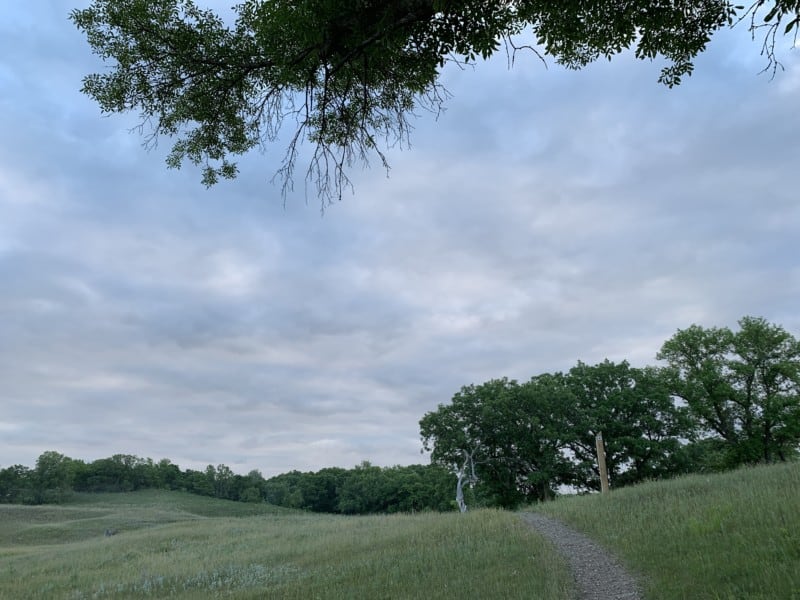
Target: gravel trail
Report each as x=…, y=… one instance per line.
x=597, y=574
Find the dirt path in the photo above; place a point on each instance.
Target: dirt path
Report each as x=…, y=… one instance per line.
x=597, y=574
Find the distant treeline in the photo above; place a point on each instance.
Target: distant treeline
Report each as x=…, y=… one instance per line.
x=364, y=489
x=724, y=399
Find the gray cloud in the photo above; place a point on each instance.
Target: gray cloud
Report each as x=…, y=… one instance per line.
x=547, y=217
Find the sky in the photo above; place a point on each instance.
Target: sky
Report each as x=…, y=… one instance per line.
x=546, y=217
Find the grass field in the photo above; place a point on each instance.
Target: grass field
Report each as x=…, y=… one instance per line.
x=181, y=546
x=730, y=536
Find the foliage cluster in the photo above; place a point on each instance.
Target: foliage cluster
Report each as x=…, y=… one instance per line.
x=364, y=489
x=347, y=75
x=724, y=399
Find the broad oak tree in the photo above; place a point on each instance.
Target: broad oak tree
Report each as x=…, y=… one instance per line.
x=743, y=386
x=345, y=76
x=634, y=410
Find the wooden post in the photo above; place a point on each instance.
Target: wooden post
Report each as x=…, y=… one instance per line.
x=601, y=462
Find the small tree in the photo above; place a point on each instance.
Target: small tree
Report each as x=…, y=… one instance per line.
x=17, y=485
x=52, y=477
x=466, y=474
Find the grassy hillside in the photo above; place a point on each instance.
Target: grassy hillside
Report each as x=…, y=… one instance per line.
x=734, y=535
x=728, y=536
x=89, y=515
x=181, y=546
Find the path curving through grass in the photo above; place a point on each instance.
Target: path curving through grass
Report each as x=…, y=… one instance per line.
x=598, y=575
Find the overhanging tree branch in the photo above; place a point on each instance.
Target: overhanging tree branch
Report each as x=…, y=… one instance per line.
x=349, y=75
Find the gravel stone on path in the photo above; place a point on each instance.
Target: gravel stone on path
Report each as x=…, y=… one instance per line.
x=597, y=574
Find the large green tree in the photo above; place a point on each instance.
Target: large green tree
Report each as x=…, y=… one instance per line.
x=513, y=433
x=346, y=75
x=633, y=408
x=743, y=387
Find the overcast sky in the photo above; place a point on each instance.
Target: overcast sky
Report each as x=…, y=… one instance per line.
x=547, y=217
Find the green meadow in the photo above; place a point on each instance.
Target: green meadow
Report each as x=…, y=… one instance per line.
x=734, y=535
x=731, y=536
x=175, y=545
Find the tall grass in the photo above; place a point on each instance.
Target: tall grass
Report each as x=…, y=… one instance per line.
x=728, y=536
x=179, y=553
x=88, y=514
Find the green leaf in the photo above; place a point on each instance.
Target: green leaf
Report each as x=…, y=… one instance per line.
x=771, y=13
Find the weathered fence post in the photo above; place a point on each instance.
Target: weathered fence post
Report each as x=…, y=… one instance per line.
x=601, y=461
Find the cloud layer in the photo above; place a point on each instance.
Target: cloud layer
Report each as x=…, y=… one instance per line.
x=546, y=217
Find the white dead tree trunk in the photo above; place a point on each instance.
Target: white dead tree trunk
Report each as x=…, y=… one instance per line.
x=465, y=474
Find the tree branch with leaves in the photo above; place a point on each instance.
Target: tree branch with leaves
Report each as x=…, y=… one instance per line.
x=347, y=77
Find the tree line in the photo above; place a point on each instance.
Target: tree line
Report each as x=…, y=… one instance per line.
x=724, y=399
x=364, y=489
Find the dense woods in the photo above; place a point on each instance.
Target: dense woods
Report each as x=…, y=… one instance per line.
x=723, y=399
x=364, y=489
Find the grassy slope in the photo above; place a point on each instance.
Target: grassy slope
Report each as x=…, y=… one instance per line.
x=177, y=545
x=733, y=535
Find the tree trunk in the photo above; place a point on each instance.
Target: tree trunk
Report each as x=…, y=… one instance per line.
x=462, y=475
x=462, y=506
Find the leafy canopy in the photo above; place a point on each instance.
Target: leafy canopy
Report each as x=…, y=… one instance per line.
x=528, y=438
x=347, y=74
x=742, y=386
